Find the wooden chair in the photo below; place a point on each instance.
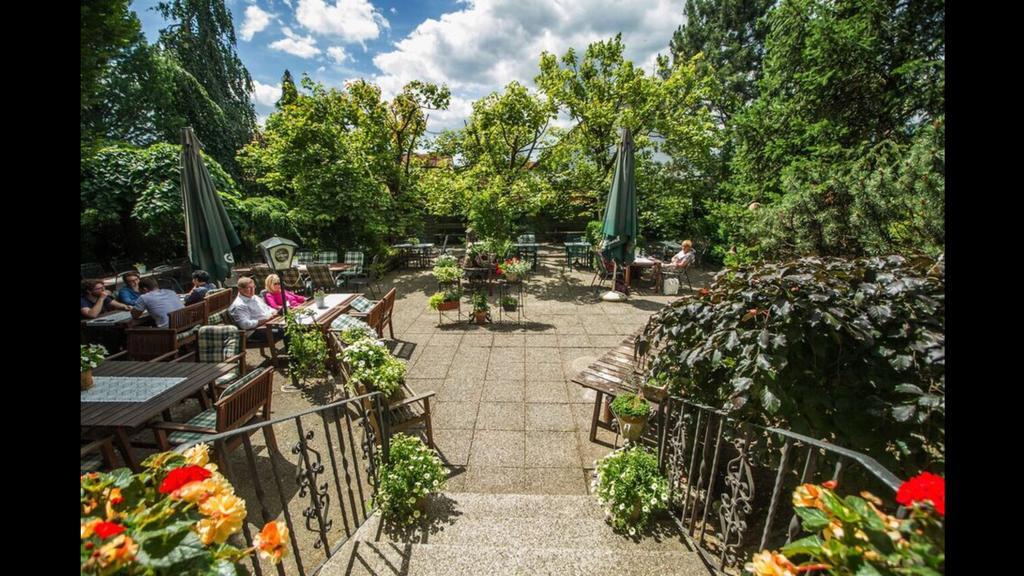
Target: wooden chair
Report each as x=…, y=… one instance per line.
x=98, y=454
x=320, y=278
x=376, y=313
x=408, y=413
x=259, y=274
x=148, y=345
x=186, y=322
x=217, y=304
x=224, y=343
x=291, y=280
x=246, y=401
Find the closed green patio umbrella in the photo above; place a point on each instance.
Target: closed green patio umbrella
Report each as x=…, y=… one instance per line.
x=620, y=228
x=209, y=233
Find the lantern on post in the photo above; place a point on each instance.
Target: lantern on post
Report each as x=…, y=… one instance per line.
x=278, y=253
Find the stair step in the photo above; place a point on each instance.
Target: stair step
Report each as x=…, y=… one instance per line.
x=471, y=505
x=542, y=532
x=392, y=559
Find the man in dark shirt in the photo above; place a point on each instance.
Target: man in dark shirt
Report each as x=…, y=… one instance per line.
x=96, y=299
x=200, y=286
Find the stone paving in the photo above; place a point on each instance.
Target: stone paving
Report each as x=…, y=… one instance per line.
x=507, y=419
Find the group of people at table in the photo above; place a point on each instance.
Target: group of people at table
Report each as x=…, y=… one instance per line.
x=144, y=295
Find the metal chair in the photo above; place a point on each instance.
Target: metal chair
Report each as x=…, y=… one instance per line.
x=607, y=269
x=327, y=257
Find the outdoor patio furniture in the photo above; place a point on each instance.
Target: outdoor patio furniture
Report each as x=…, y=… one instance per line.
x=292, y=280
x=304, y=257
x=376, y=313
x=608, y=269
x=410, y=411
x=148, y=344
x=244, y=402
x=140, y=391
x=576, y=250
x=354, y=276
x=98, y=455
x=259, y=273
x=479, y=278
x=526, y=248
x=320, y=278
x=224, y=343
x=217, y=304
x=186, y=322
x=327, y=257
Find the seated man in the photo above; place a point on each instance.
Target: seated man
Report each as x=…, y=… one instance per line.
x=159, y=302
x=130, y=292
x=249, y=311
x=96, y=299
x=200, y=286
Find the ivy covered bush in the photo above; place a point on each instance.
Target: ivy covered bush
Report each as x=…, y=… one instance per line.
x=848, y=350
x=413, y=470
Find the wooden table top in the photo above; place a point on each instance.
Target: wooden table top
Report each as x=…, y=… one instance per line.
x=135, y=414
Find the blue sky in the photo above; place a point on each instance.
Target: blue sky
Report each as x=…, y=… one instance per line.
x=474, y=46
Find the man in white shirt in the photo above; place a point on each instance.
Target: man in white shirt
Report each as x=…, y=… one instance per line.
x=249, y=311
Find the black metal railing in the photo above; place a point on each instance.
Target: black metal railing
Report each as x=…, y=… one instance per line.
x=315, y=470
x=731, y=481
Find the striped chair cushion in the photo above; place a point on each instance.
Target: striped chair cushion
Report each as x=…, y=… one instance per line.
x=363, y=304
x=321, y=276
x=304, y=257
x=356, y=259
x=528, y=239
x=240, y=382
x=205, y=419
x=217, y=343
x=188, y=333
x=327, y=257
x=346, y=322
x=218, y=318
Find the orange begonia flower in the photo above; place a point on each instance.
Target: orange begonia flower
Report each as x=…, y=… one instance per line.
x=272, y=541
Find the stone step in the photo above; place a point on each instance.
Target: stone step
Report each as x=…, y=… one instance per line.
x=537, y=531
x=473, y=505
x=391, y=558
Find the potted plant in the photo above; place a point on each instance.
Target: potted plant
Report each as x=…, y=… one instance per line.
x=513, y=269
x=631, y=411
x=509, y=303
x=478, y=254
x=411, y=472
x=481, y=310
x=630, y=486
x=320, y=297
x=176, y=516
x=307, y=348
x=447, y=300
x=92, y=355
x=373, y=367
x=656, y=388
x=447, y=274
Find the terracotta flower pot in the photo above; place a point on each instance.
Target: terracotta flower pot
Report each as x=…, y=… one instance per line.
x=656, y=394
x=480, y=317
x=448, y=305
x=86, y=379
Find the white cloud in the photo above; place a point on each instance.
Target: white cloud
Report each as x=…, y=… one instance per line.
x=353, y=21
x=321, y=69
x=392, y=10
x=301, y=46
x=489, y=43
x=266, y=94
x=337, y=54
x=255, y=20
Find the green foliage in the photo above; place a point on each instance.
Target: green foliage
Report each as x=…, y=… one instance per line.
x=373, y=366
x=92, y=355
x=480, y=302
x=447, y=296
x=631, y=406
x=847, y=125
x=509, y=302
x=629, y=485
x=131, y=203
x=594, y=234
x=353, y=335
x=107, y=28
x=857, y=538
x=850, y=351
x=447, y=272
x=289, y=93
x=411, y=472
x=307, y=347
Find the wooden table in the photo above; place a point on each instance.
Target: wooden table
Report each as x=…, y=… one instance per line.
x=609, y=376
x=334, y=268
x=124, y=417
x=642, y=262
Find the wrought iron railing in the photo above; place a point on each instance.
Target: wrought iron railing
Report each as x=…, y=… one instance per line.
x=731, y=481
x=315, y=470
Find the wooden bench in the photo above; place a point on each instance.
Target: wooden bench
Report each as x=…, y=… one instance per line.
x=611, y=375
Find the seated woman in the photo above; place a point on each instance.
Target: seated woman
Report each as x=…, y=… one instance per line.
x=96, y=299
x=683, y=258
x=130, y=292
x=275, y=293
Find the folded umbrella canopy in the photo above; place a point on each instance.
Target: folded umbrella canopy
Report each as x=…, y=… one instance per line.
x=619, y=229
x=209, y=233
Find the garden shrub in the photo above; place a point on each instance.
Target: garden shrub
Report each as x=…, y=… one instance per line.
x=851, y=351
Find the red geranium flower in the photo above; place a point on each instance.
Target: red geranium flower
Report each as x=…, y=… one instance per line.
x=924, y=486
x=107, y=529
x=181, y=476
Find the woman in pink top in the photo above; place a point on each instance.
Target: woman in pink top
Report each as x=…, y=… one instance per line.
x=274, y=292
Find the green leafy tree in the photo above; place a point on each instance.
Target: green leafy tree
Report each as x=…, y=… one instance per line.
x=849, y=90
x=107, y=28
x=289, y=93
x=202, y=40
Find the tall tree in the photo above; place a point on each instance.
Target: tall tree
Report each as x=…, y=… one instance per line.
x=851, y=108
x=202, y=39
x=289, y=94
x=108, y=27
